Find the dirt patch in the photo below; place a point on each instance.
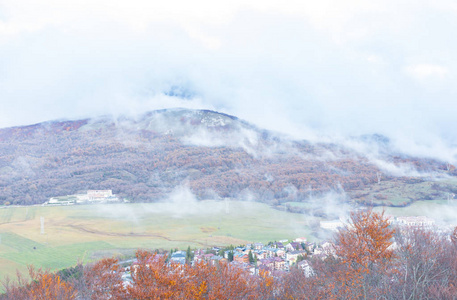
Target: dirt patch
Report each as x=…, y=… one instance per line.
x=130, y=234
x=207, y=229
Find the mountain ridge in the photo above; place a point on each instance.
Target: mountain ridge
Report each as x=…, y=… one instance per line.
x=216, y=155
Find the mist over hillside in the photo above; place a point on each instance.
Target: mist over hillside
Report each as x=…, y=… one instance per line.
x=145, y=157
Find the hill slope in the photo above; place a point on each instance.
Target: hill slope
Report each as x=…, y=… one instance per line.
x=145, y=157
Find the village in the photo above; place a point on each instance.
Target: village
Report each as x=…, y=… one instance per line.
x=279, y=256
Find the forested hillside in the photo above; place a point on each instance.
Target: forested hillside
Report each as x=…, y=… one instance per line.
x=216, y=155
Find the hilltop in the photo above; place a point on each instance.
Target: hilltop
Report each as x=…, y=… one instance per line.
x=143, y=158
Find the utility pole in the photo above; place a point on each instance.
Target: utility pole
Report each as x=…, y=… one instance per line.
x=42, y=224
x=378, y=175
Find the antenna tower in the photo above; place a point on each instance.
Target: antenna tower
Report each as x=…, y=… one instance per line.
x=42, y=224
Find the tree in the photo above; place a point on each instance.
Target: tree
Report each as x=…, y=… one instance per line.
x=427, y=265
x=364, y=257
x=189, y=255
x=155, y=279
x=102, y=280
x=43, y=285
x=230, y=255
x=251, y=257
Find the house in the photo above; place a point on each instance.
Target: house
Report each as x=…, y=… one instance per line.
x=241, y=257
x=273, y=263
x=216, y=259
x=325, y=250
x=199, y=257
x=310, y=246
x=241, y=249
x=258, y=246
x=279, y=245
x=260, y=254
x=178, y=257
x=272, y=252
x=293, y=246
x=94, y=194
x=300, y=240
x=268, y=262
x=279, y=263
x=307, y=269
x=281, y=253
x=292, y=256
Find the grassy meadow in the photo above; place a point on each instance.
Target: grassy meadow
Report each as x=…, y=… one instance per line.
x=442, y=211
x=87, y=232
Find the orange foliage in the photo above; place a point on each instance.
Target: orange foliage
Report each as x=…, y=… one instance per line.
x=153, y=278
x=43, y=286
x=362, y=259
x=103, y=280
x=365, y=242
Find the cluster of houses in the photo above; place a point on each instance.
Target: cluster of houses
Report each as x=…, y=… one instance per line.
x=257, y=257
x=92, y=196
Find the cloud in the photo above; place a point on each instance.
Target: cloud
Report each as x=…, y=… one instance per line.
x=427, y=71
x=308, y=68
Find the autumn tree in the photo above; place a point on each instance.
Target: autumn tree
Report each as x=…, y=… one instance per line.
x=42, y=285
x=102, y=280
x=364, y=258
x=154, y=278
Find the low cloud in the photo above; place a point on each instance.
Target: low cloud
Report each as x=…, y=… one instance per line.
x=302, y=69
x=427, y=71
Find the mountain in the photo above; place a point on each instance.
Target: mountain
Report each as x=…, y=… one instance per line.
x=143, y=158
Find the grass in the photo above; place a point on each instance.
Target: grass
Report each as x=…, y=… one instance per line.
x=395, y=192
x=86, y=232
x=440, y=210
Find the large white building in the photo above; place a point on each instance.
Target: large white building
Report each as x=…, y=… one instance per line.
x=416, y=221
x=92, y=196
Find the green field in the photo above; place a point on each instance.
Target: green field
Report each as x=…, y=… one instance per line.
x=440, y=210
x=87, y=232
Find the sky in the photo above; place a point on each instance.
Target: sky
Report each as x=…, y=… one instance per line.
x=306, y=68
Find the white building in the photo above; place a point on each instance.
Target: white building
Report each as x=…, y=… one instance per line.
x=332, y=225
x=92, y=196
x=307, y=269
x=300, y=240
x=416, y=221
x=61, y=201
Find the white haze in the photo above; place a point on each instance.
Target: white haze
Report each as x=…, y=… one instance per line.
x=312, y=69
x=179, y=203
